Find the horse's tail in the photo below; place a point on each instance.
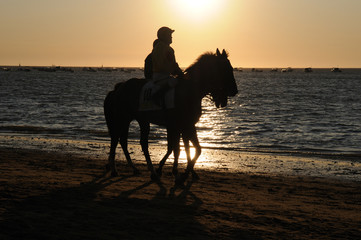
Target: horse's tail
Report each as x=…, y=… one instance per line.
x=109, y=107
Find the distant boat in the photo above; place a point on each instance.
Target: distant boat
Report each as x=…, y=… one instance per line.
x=5, y=69
x=67, y=70
x=274, y=70
x=89, y=69
x=238, y=69
x=46, y=69
x=307, y=70
x=256, y=70
x=127, y=70
x=21, y=69
x=287, y=69
x=103, y=69
x=335, y=70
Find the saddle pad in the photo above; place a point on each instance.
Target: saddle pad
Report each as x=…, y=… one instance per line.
x=147, y=104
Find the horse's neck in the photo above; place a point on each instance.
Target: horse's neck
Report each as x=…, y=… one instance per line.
x=192, y=97
x=198, y=83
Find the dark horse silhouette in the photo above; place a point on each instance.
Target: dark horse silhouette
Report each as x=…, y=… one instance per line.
x=211, y=74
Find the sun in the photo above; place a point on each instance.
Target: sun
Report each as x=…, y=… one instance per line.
x=196, y=10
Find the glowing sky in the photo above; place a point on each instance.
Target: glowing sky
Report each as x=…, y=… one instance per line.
x=257, y=33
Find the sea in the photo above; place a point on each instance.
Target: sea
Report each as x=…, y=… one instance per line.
x=315, y=113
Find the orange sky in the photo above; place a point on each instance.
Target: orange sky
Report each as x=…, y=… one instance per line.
x=257, y=33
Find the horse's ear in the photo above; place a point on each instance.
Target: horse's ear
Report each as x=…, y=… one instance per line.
x=218, y=53
x=224, y=54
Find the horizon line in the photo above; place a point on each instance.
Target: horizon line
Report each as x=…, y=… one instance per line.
x=246, y=67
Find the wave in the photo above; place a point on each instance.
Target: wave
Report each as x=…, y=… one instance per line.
x=30, y=129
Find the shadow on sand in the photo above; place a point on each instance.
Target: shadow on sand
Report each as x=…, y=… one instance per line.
x=79, y=213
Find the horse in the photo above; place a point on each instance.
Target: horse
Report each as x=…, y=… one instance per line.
x=211, y=74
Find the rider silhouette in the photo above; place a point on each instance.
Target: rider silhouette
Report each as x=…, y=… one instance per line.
x=164, y=65
x=148, y=64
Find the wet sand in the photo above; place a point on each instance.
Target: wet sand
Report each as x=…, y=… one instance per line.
x=56, y=194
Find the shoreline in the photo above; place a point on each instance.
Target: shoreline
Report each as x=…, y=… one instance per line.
x=221, y=160
x=57, y=194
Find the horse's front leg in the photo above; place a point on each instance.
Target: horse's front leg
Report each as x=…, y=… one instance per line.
x=191, y=135
x=176, y=152
x=186, y=141
x=144, y=133
x=187, y=148
x=198, y=151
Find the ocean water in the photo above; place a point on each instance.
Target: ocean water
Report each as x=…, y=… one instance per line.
x=316, y=113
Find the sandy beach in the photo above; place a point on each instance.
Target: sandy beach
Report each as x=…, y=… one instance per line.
x=55, y=194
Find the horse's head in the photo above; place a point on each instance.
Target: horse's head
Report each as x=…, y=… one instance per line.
x=214, y=74
x=223, y=81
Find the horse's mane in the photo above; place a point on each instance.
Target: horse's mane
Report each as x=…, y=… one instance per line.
x=207, y=56
x=204, y=57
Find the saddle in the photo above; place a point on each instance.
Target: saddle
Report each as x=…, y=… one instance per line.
x=155, y=97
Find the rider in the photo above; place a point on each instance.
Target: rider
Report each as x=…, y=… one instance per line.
x=164, y=63
x=148, y=63
x=165, y=67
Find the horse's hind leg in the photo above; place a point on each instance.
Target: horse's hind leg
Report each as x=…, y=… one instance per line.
x=111, y=159
x=171, y=138
x=144, y=132
x=124, y=143
x=162, y=162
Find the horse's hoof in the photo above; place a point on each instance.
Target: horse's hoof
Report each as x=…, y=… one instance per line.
x=179, y=181
x=195, y=176
x=107, y=167
x=154, y=177
x=159, y=172
x=175, y=173
x=114, y=174
x=136, y=172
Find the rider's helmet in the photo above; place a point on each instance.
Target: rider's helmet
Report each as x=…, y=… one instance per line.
x=164, y=33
